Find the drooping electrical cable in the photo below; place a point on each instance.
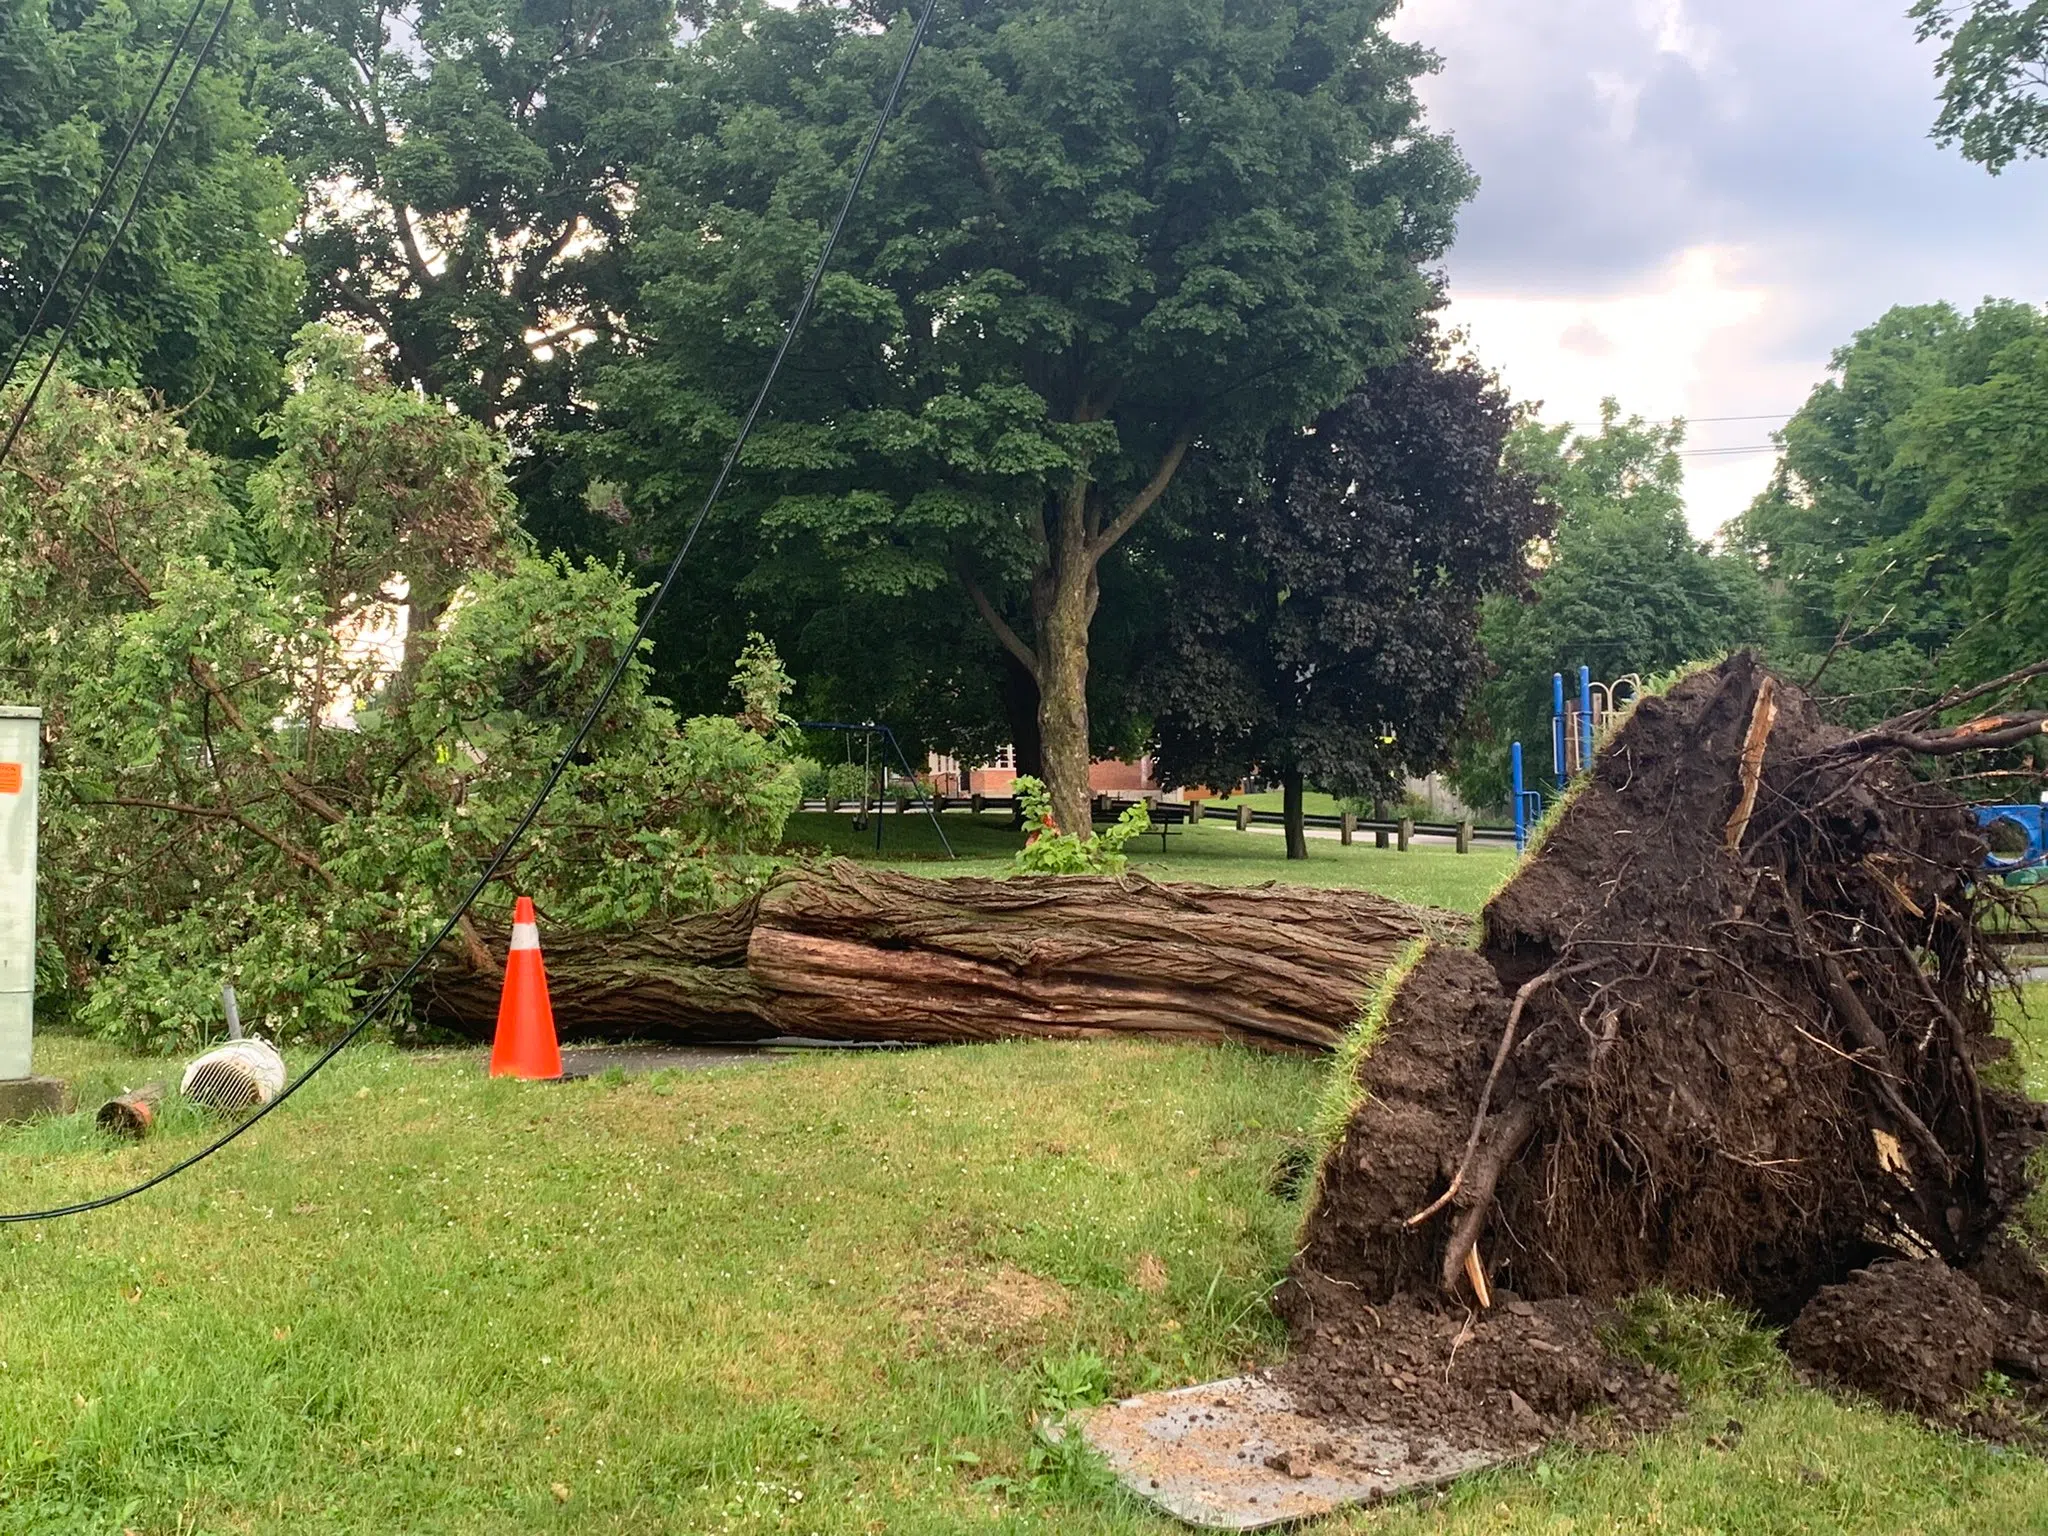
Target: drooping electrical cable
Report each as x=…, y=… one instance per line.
x=99, y=203
x=398, y=987
x=127, y=217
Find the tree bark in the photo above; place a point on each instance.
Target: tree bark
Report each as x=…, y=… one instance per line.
x=852, y=953
x=1065, y=608
x=1291, y=790
x=681, y=980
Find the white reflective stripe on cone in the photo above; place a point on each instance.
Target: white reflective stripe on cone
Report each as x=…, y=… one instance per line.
x=525, y=936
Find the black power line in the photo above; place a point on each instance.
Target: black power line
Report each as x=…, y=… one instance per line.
x=114, y=244
x=99, y=204
x=398, y=987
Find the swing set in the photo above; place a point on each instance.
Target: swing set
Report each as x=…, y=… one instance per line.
x=869, y=735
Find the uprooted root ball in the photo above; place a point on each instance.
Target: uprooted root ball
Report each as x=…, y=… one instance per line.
x=1724, y=1034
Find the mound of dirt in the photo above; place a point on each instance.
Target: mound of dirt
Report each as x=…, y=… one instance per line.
x=1509, y=1378
x=1723, y=1033
x=1914, y=1334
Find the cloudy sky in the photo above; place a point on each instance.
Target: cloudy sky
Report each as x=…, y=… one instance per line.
x=1688, y=204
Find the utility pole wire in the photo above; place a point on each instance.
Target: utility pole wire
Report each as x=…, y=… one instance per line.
x=127, y=218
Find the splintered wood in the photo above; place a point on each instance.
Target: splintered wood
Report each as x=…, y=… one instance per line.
x=1762, y=716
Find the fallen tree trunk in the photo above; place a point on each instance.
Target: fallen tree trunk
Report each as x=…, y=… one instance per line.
x=849, y=953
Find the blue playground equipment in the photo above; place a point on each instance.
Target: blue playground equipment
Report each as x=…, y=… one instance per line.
x=2024, y=831
x=1574, y=723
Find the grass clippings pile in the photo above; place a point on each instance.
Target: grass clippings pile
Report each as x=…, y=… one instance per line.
x=1725, y=1034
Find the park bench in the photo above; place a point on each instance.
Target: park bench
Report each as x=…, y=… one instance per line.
x=1167, y=818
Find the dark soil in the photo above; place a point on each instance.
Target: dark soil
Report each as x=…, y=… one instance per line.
x=1510, y=1378
x=1913, y=1334
x=1746, y=1063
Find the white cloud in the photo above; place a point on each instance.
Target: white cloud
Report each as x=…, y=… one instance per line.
x=1654, y=345
x=1675, y=33
x=1689, y=206
x=1621, y=97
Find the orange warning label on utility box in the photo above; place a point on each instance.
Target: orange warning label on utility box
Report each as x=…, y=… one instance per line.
x=10, y=778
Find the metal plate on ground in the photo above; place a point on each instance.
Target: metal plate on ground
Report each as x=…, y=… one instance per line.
x=1236, y=1455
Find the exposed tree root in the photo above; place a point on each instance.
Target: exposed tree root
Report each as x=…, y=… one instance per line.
x=1723, y=1033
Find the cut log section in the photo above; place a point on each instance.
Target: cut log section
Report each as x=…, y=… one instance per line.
x=851, y=953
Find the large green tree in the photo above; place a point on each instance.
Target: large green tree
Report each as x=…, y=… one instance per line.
x=1623, y=588
x=1909, y=517
x=1324, y=622
x=1994, y=76
x=200, y=300
x=470, y=167
x=1097, y=235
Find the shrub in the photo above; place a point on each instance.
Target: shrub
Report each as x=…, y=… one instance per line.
x=1049, y=851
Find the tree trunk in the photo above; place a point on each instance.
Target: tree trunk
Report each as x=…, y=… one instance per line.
x=852, y=953
x=1020, y=709
x=681, y=980
x=1291, y=787
x=1075, y=532
x=1065, y=607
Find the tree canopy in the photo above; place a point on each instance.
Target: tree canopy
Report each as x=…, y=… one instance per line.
x=200, y=300
x=1907, y=516
x=285, y=731
x=1097, y=235
x=1324, y=620
x=470, y=170
x=1994, y=76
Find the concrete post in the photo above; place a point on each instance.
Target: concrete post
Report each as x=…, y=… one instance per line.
x=1244, y=818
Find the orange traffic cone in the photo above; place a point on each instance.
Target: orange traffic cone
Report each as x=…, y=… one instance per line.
x=525, y=1045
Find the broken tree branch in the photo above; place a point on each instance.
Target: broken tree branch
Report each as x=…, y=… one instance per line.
x=1511, y=1133
x=1984, y=734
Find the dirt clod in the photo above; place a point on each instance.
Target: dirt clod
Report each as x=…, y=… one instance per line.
x=1503, y=1379
x=1914, y=1334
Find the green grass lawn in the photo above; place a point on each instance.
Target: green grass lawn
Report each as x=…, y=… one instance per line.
x=1214, y=852
x=816, y=1294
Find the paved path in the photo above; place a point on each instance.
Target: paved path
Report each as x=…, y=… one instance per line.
x=638, y=1060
